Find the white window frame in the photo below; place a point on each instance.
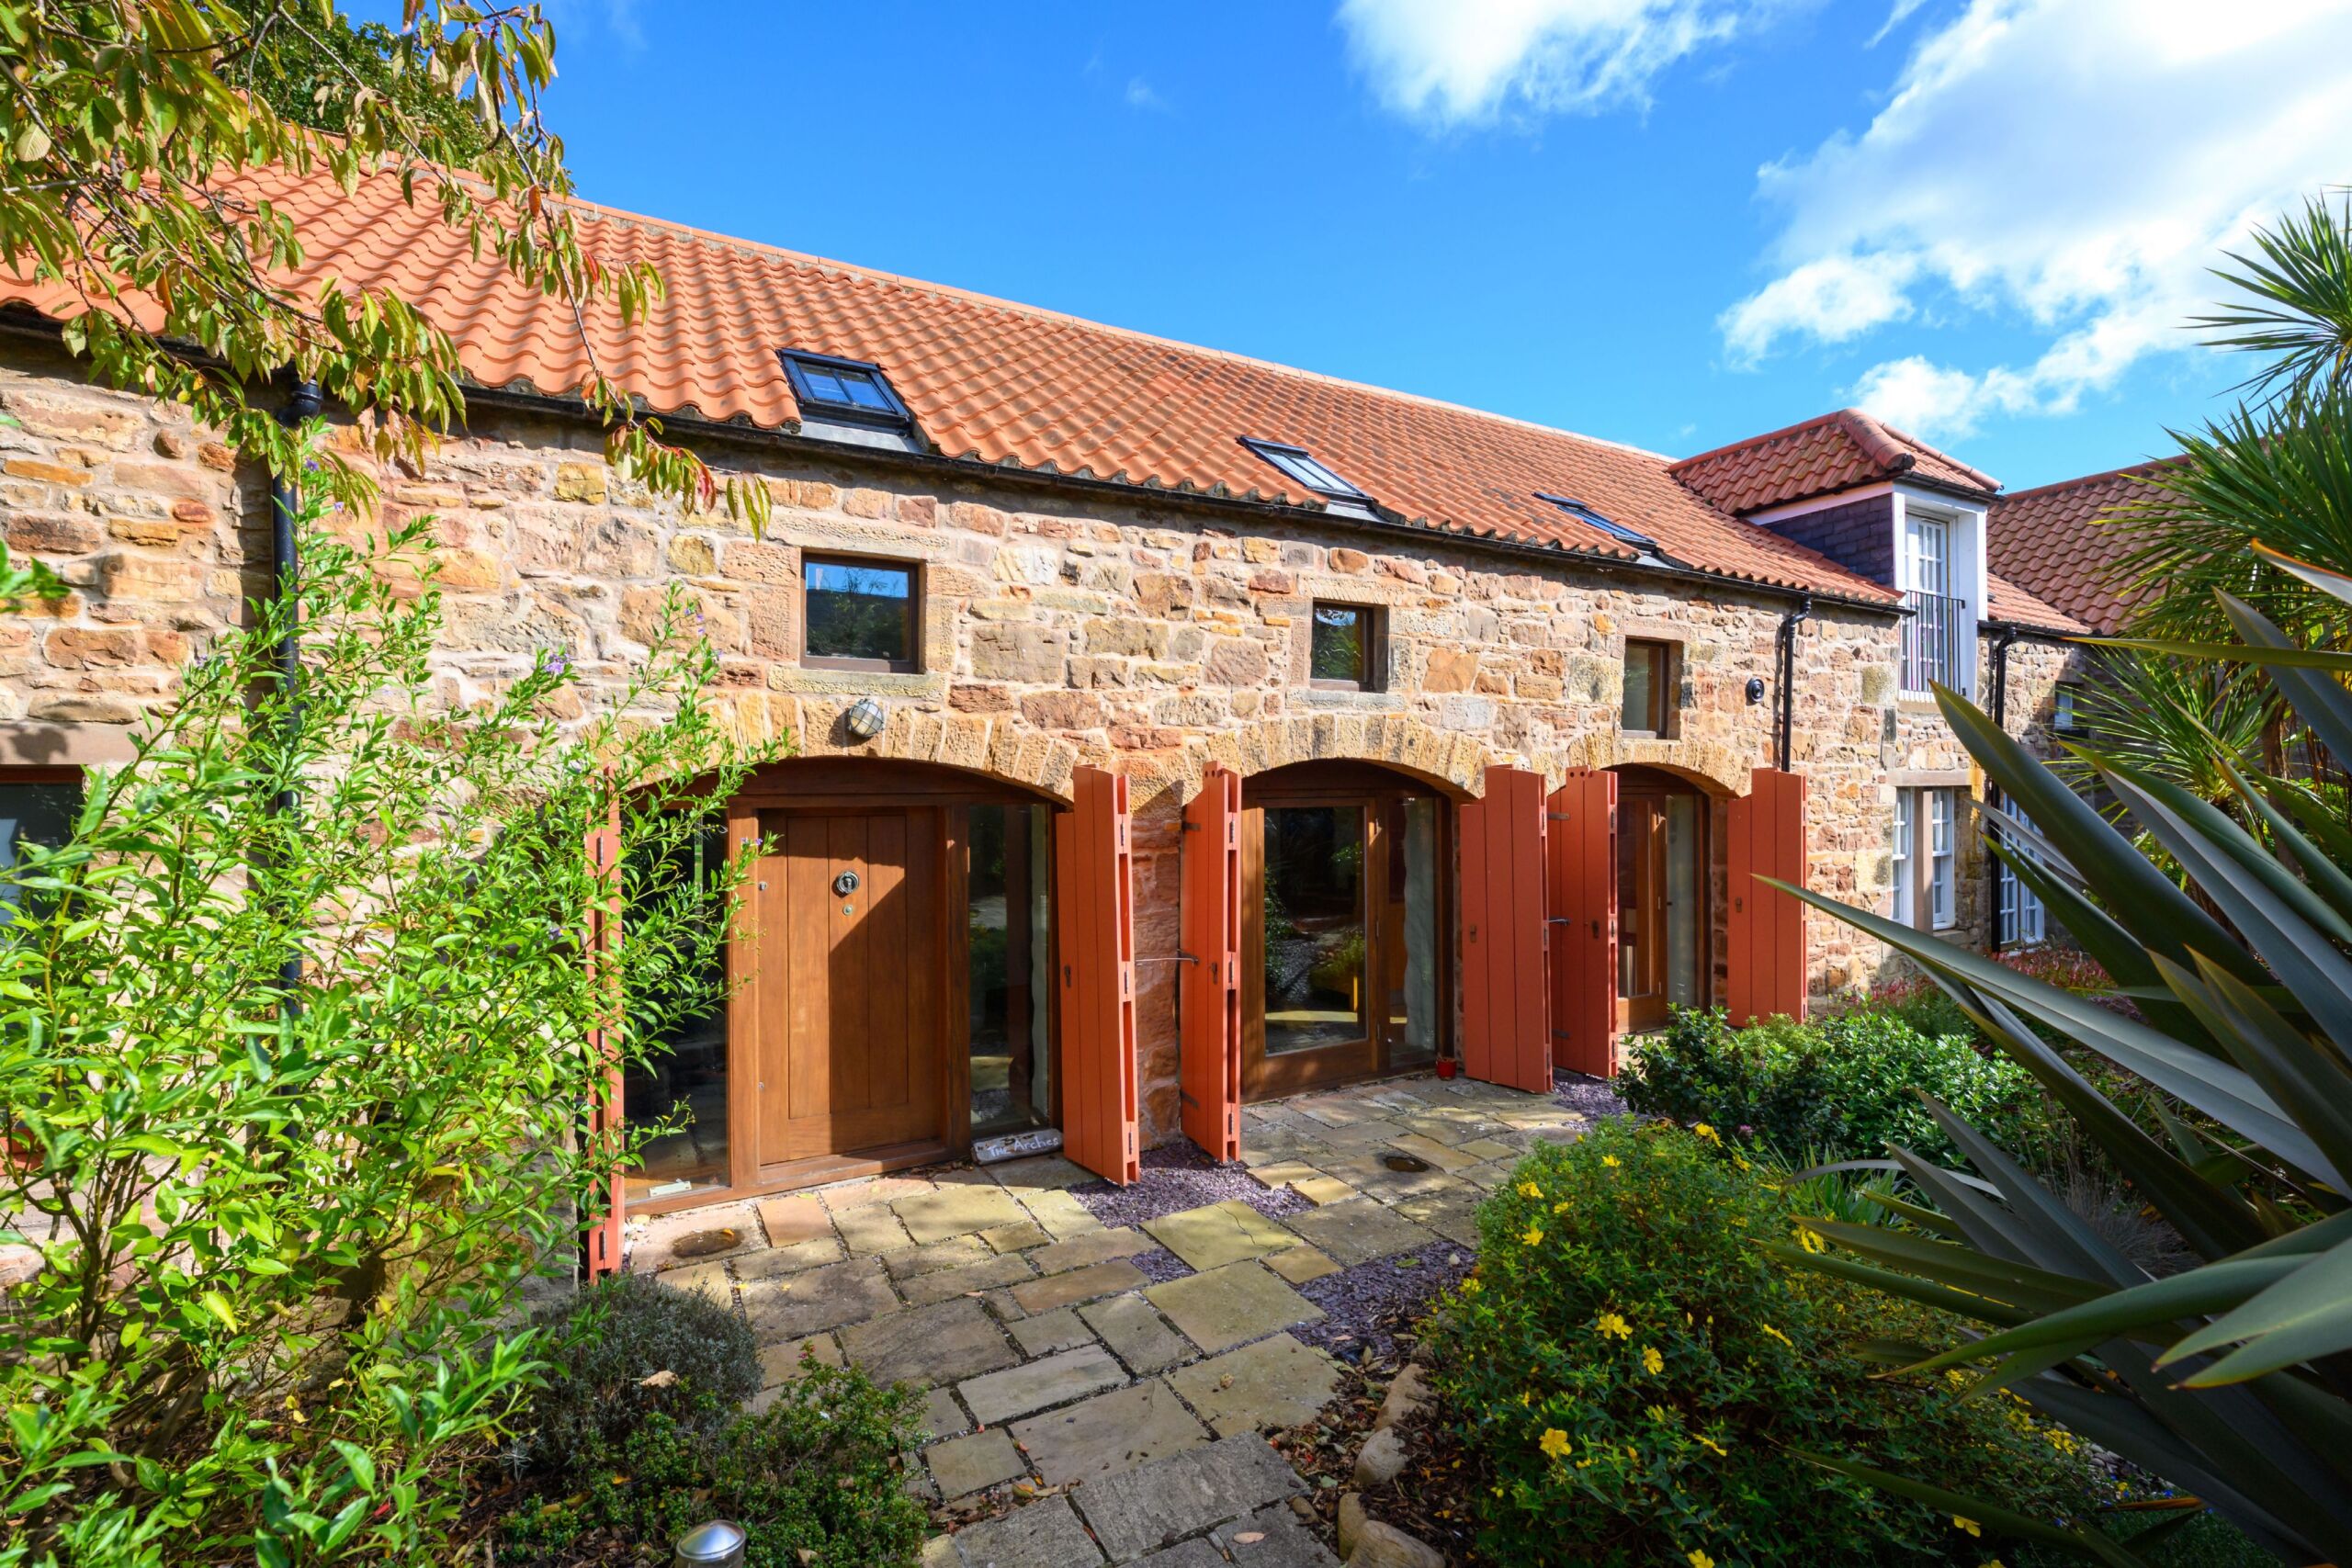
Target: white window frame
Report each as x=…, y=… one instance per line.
x=1939, y=548
x=1900, y=910
x=1943, y=861
x=2024, y=921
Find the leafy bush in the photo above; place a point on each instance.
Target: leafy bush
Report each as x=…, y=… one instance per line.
x=1640, y=1381
x=1843, y=1085
x=630, y=1348
x=282, y=1209
x=817, y=1472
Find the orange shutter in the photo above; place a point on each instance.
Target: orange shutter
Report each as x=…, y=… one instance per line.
x=1581, y=841
x=1210, y=990
x=1505, y=1025
x=1094, y=924
x=1766, y=926
x=602, y=1236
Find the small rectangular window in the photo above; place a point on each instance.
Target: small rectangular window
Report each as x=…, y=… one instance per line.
x=1942, y=879
x=861, y=615
x=1346, y=652
x=37, y=806
x=1649, y=683
x=844, y=389
x=1614, y=529
x=1903, y=861
x=2066, y=709
x=1301, y=466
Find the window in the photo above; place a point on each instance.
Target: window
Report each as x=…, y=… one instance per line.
x=1924, y=813
x=1300, y=465
x=2024, y=921
x=1649, y=684
x=682, y=1075
x=861, y=615
x=1617, y=531
x=37, y=806
x=1938, y=645
x=1347, y=652
x=844, y=389
x=2066, y=709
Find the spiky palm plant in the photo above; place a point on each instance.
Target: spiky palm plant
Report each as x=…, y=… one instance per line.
x=2231, y=1378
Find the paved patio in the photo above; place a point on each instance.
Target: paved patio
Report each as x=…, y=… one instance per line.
x=1103, y=1363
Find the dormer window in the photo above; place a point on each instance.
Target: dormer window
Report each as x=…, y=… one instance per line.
x=846, y=399
x=1300, y=465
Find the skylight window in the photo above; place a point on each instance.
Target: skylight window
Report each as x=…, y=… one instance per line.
x=1617, y=531
x=846, y=391
x=1300, y=465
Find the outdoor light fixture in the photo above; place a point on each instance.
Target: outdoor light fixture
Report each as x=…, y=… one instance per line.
x=714, y=1544
x=864, y=718
x=1755, y=690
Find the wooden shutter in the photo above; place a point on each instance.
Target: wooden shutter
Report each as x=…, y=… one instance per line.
x=1210, y=990
x=1580, y=841
x=1505, y=1025
x=1095, y=928
x=602, y=1236
x=1766, y=925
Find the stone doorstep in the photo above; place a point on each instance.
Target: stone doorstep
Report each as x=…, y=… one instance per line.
x=1139, y=1510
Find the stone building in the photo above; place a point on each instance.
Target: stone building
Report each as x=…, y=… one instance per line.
x=1168, y=728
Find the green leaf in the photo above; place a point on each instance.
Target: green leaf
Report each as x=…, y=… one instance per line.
x=2301, y=1318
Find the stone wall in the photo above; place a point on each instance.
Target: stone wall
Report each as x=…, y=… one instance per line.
x=1062, y=627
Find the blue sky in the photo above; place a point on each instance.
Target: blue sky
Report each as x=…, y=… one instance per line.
x=1671, y=223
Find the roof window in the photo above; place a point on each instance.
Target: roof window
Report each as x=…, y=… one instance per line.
x=1617, y=531
x=837, y=392
x=1300, y=465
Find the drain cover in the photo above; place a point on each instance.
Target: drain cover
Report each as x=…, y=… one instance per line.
x=1405, y=1162
x=702, y=1244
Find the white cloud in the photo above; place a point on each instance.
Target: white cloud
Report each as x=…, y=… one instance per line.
x=1140, y=94
x=2074, y=166
x=1466, y=61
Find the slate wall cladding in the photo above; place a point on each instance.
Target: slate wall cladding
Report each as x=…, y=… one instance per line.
x=1060, y=629
x=1859, y=536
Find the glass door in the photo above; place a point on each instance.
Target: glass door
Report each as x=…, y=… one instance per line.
x=1661, y=899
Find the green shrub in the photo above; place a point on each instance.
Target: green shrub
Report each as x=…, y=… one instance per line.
x=1637, y=1377
x=1843, y=1085
x=819, y=1471
x=613, y=1344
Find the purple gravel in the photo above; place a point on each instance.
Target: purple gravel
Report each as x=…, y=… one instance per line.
x=1587, y=1096
x=1176, y=1176
x=1365, y=1306
x=1160, y=1265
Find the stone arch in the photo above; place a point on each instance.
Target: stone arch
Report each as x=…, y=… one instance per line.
x=1717, y=769
x=1452, y=761
x=996, y=745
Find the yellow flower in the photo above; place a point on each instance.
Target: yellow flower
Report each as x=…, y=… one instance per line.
x=1529, y=1189
x=1609, y=1160
x=1810, y=1239
x=1775, y=1334
x=1471, y=1287
x=1701, y=1560
x=1707, y=1133
x=1652, y=1362
x=1721, y=1451
x=1554, y=1443
x=1533, y=1235
x=1611, y=1324
x=1969, y=1525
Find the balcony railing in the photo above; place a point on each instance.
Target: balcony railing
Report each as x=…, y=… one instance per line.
x=1939, y=643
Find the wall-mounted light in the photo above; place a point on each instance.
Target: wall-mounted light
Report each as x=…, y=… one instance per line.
x=1755, y=690
x=864, y=718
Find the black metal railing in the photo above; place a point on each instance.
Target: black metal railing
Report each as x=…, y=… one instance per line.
x=1938, y=645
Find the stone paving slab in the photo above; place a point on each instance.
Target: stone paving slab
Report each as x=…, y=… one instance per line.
x=781, y=1363
x=705, y=1279
x=1273, y=1384
x=1060, y=1329
x=819, y=1299
x=1139, y=1510
x=1195, y=1553
x=941, y=1416
x=790, y=1258
x=956, y=1211
x=946, y=1343
x=1322, y=1189
x=1111, y=1431
x=986, y=1275
x=1062, y=1215
x=1300, y=1264
x=1137, y=1333
x=1019, y=1237
x=1043, y=1535
x=1078, y=1285
x=1360, y=1230
x=964, y=1465
x=872, y=1228
x=1045, y=1173
x=1445, y=1157
x=1283, y=1541
x=793, y=1219
x=1282, y=1173
x=1217, y=1234
x=1456, y=1219
x=1097, y=1246
x=1039, y=1384
x=953, y=1253
x=1489, y=1149
x=872, y=1190
x=1231, y=1305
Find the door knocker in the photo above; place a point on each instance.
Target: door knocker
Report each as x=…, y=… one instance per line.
x=845, y=883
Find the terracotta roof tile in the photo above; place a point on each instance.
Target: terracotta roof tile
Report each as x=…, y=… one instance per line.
x=2051, y=539
x=1837, y=451
x=2007, y=602
x=1000, y=383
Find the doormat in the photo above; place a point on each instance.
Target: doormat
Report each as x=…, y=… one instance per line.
x=702, y=1244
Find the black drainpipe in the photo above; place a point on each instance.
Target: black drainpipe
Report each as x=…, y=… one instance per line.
x=285, y=503
x=1999, y=679
x=1789, y=671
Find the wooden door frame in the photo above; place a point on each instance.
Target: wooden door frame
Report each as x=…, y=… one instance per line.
x=819, y=787
x=1366, y=786
x=1634, y=783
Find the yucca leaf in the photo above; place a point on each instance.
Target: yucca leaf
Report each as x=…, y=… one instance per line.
x=1910, y=1287
x=2297, y=1319
x=2289, y=658
x=2226, y=836
x=2317, y=701
x=2158, y=1304
x=1960, y=1267
x=2289, y=1066
x=2058, y=1237
x=2327, y=580
x=2324, y=876
x=2090, y=1543
x=2113, y=949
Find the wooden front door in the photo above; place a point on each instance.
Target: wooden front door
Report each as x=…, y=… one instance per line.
x=1341, y=927
x=1661, y=893
x=853, y=928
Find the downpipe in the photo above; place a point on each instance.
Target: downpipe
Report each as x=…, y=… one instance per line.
x=1788, y=651
x=1997, y=677
x=286, y=569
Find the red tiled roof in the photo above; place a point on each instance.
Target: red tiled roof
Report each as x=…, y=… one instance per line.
x=2007, y=602
x=1007, y=384
x=1837, y=451
x=2051, y=539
